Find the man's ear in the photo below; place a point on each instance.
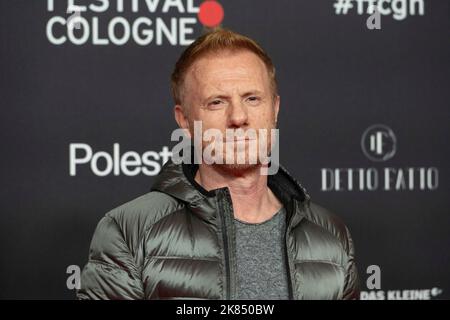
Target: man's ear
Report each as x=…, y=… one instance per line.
x=182, y=119
x=276, y=107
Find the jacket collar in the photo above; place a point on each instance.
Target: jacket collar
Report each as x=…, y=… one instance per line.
x=177, y=180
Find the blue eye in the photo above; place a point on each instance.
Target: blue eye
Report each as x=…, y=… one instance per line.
x=253, y=99
x=215, y=104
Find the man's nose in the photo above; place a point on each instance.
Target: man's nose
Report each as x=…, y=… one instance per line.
x=238, y=115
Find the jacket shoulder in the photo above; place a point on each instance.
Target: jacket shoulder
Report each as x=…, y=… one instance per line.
x=329, y=222
x=135, y=217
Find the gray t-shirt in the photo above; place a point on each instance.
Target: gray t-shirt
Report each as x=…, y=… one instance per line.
x=260, y=257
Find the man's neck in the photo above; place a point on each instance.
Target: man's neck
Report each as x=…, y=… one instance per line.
x=253, y=201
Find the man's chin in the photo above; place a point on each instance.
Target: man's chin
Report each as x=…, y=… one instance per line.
x=237, y=169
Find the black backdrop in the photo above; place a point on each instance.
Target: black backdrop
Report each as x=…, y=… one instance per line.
x=337, y=79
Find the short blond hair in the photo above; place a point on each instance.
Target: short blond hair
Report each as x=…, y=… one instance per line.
x=216, y=41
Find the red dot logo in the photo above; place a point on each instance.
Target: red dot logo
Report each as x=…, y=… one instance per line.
x=210, y=13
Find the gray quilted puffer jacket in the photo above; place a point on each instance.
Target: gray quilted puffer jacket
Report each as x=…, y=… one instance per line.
x=177, y=242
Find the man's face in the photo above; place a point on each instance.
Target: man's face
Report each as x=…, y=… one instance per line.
x=230, y=90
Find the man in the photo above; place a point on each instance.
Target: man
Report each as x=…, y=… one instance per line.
x=222, y=230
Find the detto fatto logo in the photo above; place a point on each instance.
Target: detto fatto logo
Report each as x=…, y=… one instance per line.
x=121, y=22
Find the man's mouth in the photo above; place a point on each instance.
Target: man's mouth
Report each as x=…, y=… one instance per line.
x=237, y=139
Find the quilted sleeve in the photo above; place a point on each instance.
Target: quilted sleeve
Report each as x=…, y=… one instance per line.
x=111, y=271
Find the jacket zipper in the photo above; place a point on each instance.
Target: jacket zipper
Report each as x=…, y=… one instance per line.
x=288, y=259
x=289, y=275
x=226, y=251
